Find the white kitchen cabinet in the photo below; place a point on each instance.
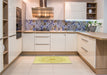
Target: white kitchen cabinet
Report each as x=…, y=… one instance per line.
x=1, y=61
x=12, y=17
x=58, y=7
x=75, y=10
x=1, y=16
x=71, y=42
x=87, y=48
x=1, y=55
x=12, y=48
x=19, y=45
x=42, y=42
x=42, y=47
x=58, y=41
x=92, y=52
x=28, y=42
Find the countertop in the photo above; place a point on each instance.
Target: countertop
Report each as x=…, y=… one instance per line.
x=96, y=35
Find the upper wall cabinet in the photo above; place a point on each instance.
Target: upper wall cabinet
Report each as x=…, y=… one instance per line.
x=75, y=10
x=91, y=10
x=58, y=6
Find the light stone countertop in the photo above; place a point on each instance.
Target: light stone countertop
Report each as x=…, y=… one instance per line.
x=96, y=35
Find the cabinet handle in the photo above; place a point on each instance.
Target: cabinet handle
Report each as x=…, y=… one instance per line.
x=12, y=35
x=85, y=40
x=84, y=49
x=42, y=36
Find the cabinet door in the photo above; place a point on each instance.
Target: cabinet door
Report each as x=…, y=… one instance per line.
x=58, y=42
x=28, y=42
x=1, y=10
x=75, y=10
x=19, y=45
x=92, y=52
x=12, y=17
x=1, y=55
x=71, y=42
x=58, y=9
x=1, y=61
x=12, y=48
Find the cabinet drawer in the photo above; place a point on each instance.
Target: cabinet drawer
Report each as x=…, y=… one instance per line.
x=42, y=47
x=84, y=39
x=42, y=40
x=86, y=42
x=84, y=51
x=42, y=34
x=87, y=48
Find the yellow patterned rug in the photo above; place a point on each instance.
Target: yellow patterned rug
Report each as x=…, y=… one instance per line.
x=52, y=59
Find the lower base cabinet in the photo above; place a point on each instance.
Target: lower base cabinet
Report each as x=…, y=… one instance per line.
x=42, y=47
x=28, y=42
x=49, y=42
x=58, y=41
x=19, y=45
x=42, y=42
x=71, y=42
x=12, y=48
x=87, y=49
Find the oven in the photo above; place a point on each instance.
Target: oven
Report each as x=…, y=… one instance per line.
x=18, y=23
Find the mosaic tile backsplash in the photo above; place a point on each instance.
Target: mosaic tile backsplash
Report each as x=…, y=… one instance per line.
x=48, y=25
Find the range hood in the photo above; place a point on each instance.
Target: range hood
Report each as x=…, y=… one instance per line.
x=43, y=11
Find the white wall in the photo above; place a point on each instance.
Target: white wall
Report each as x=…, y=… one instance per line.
x=23, y=15
x=57, y=4
x=105, y=16
x=29, y=5
x=100, y=13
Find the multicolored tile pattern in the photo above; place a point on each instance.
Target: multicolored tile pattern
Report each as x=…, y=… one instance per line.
x=48, y=25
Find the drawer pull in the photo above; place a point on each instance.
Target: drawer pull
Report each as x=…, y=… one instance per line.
x=84, y=49
x=42, y=36
x=84, y=40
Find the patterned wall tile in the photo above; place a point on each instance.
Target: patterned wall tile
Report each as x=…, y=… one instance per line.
x=48, y=25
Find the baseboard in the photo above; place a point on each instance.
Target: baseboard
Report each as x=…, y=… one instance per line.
x=10, y=64
x=49, y=53
x=91, y=67
x=101, y=71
